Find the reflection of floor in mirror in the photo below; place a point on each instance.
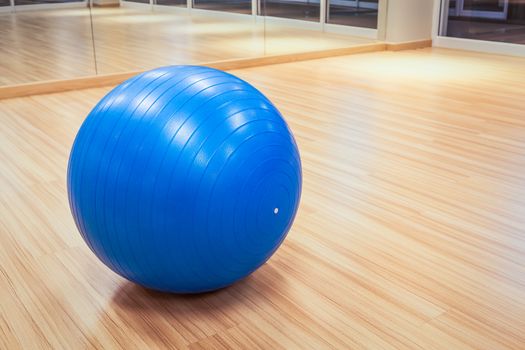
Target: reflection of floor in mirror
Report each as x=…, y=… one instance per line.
x=56, y=44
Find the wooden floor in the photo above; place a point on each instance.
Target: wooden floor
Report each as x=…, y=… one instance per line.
x=57, y=44
x=410, y=234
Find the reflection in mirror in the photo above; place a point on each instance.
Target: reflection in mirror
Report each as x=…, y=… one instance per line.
x=491, y=20
x=35, y=2
x=42, y=42
x=239, y=6
x=60, y=39
x=181, y=3
x=308, y=10
x=296, y=26
x=357, y=13
x=130, y=38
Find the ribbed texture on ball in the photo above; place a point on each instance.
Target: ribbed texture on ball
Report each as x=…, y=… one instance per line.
x=184, y=179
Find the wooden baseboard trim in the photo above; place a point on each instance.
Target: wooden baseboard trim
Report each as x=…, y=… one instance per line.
x=288, y=58
x=53, y=86
x=409, y=45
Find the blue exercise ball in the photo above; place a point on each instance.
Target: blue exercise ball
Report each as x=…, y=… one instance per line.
x=184, y=179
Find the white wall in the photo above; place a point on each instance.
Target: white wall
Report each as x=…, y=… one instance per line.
x=409, y=20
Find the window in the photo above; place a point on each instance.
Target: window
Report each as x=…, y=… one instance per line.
x=491, y=20
x=357, y=13
x=239, y=6
x=170, y=2
x=308, y=10
x=34, y=2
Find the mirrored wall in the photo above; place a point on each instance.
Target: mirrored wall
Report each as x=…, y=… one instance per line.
x=357, y=13
x=43, y=40
x=487, y=20
x=235, y=6
x=306, y=10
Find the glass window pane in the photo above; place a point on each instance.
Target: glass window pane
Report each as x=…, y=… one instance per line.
x=357, y=13
x=240, y=6
x=35, y=2
x=171, y=2
x=141, y=1
x=477, y=5
x=308, y=10
x=491, y=20
x=5, y=3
